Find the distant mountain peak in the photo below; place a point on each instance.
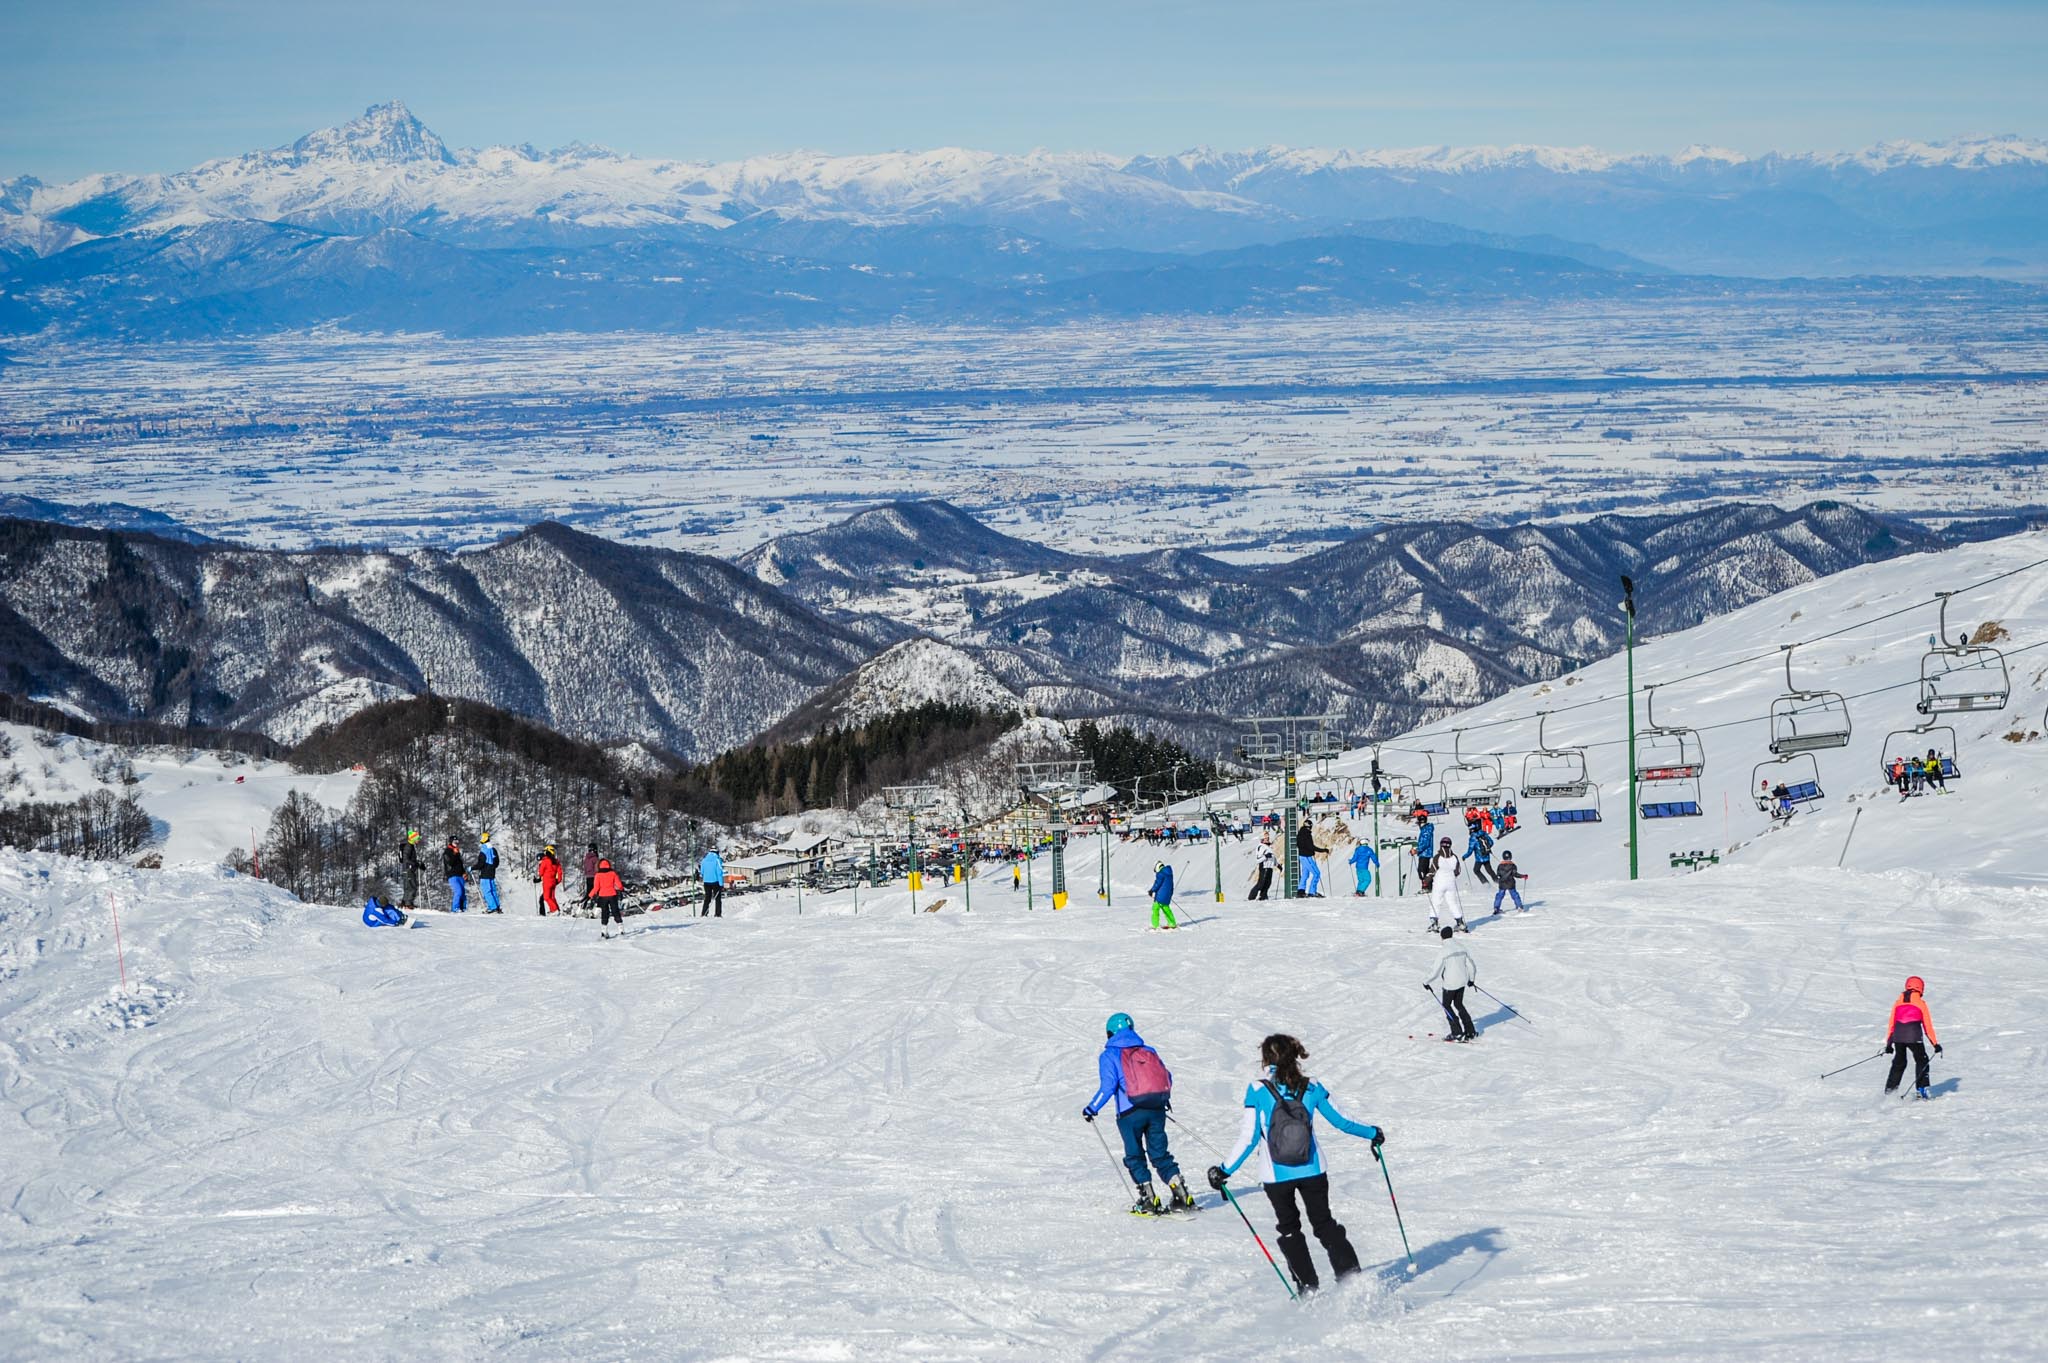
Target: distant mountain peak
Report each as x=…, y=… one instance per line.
x=387, y=133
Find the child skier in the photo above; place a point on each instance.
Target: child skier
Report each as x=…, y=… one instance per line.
x=1454, y=970
x=451, y=866
x=1909, y=1027
x=547, y=873
x=1280, y=1111
x=486, y=867
x=1480, y=849
x=1162, y=895
x=1363, y=860
x=1444, y=898
x=605, y=888
x=1505, y=875
x=1131, y=1075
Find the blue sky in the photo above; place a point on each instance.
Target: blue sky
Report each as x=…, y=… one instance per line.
x=125, y=85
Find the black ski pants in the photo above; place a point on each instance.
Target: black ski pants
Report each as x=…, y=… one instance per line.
x=1482, y=870
x=1455, y=1014
x=1315, y=1200
x=412, y=887
x=1916, y=1049
x=608, y=910
x=714, y=900
x=1263, y=890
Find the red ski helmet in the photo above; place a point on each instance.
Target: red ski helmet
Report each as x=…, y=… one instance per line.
x=1916, y=984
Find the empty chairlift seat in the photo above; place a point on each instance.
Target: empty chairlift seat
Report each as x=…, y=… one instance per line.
x=1672, y=809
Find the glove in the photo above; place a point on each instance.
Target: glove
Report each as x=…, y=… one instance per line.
x=1379, y=1138
x=1087, y=1114
x=1937, y=1048
x=1217, y=1178
x=1887, y=1048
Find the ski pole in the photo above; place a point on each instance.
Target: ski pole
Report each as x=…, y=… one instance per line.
x=1291, y=1293
x=1122, y=1174
x=1511, y=1010
x=1198, y=1137
x=1397, y=1207
x=1864, y=1061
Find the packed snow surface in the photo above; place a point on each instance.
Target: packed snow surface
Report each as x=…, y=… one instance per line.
x=841, y=1136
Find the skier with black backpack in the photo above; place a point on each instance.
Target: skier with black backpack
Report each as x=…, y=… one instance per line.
x=1133, y=1077
x=1279, y=1113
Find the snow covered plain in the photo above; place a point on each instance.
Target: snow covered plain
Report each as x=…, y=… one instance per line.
x=1221, y=434
x=842, y=1135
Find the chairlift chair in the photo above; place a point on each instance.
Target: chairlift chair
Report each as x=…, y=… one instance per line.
x=1430, y=792
x=1798, y=773
x=1911, y=744
x=1669, y=760
x=1807, y=721
x=1961, y=676
x=1470, y=785
x=1559, y=779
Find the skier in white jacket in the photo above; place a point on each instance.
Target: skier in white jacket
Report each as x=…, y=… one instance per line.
x=1454, y=970
x=1444, y=901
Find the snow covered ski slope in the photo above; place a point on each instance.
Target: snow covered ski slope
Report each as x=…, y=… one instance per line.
x=1720, y=679
x=842, y=1135
x=858, y=1137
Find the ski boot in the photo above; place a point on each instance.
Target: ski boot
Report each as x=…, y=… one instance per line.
x=1462, y=928
x=1147, y=1203
x=1179, y=1199
x=1923, y=1094
x=1432, y=929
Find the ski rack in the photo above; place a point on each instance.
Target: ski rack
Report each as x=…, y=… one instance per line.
x=1807, y=721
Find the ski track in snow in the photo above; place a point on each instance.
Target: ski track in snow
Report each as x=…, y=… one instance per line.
x=858, y=1137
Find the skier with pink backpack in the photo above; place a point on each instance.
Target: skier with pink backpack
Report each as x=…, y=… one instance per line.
x=1135, y=1079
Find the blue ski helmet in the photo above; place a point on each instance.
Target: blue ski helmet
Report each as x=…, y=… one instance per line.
x=1117, y=1022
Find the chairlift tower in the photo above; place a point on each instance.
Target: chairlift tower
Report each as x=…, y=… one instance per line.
x=911, y=800
x=1283, y=744
x=1053, y=786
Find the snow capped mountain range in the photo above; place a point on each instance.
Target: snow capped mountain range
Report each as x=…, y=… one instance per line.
x=1699, y=209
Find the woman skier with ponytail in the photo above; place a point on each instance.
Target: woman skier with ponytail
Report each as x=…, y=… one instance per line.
x=1280, y=1110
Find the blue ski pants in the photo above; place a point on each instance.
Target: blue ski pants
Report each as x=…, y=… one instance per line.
x=1311, y=876
x=1506, y=891
x=1144, y=1130
x=455, y=894
x=490, y=889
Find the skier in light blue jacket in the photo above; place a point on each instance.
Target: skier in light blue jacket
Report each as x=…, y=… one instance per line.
x=1280, y=1111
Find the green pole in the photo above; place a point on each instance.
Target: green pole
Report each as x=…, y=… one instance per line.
x=1030, y=860
x=1628, y=606
x=1216, y=836
x=1379, y=882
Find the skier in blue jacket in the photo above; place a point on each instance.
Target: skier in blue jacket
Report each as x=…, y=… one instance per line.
x=1162, y=895
x=486, y=868
x=1363, y=860
x=1279, y=1113
x=1130, y=1074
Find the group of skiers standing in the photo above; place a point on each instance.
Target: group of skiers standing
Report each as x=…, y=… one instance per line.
x=602, y=884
